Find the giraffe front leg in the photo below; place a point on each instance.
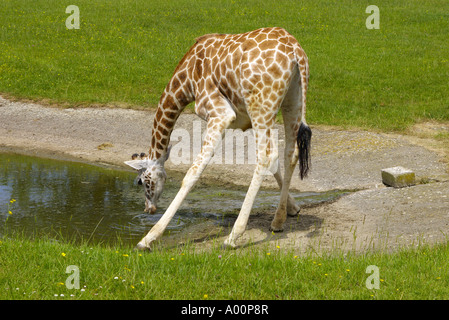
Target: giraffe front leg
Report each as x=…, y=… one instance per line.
x=242, y=219
x=266, y=157
x=215, y=129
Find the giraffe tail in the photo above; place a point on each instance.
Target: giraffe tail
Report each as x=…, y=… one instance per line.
x=303, y=142
x=304, y=133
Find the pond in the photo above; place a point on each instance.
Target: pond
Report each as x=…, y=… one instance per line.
x=77, y=201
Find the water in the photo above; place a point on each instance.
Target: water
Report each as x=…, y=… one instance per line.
x=76, y=201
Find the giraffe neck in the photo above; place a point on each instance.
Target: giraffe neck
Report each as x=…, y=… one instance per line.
x=176, y=96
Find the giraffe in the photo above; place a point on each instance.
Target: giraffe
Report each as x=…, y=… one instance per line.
x=237, y=81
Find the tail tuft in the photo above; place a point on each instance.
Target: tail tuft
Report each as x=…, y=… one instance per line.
x=303, y=141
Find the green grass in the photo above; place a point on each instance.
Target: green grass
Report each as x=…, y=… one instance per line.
x=126, y=50
x=37, y=270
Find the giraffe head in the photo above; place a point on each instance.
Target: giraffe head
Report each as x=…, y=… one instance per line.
x=151, y=175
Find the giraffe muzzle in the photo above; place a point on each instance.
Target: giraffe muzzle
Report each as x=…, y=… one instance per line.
x=150, y=208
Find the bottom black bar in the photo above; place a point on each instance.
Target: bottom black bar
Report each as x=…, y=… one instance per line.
x=218, y=309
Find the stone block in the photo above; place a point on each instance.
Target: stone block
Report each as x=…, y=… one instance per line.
x=398, y=177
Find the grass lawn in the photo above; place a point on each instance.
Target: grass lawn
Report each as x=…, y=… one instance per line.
x=126, y=50
x=37, y=270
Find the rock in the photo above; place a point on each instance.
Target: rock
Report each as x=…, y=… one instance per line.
x=398, y=177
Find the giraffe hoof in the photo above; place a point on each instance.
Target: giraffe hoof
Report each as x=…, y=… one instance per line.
x=276, y=228
x=293, y=213
x=141, y=247
x=228, y=246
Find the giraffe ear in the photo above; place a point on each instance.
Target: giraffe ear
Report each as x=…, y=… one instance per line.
x=137, y=164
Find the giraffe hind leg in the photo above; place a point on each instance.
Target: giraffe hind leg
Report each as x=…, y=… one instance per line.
x=292, y=207
x=286, y=204
x=290, y=108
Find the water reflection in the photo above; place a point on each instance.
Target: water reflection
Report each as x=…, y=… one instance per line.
x=74, y=200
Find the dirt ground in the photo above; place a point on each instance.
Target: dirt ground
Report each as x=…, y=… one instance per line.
x=372, y=216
